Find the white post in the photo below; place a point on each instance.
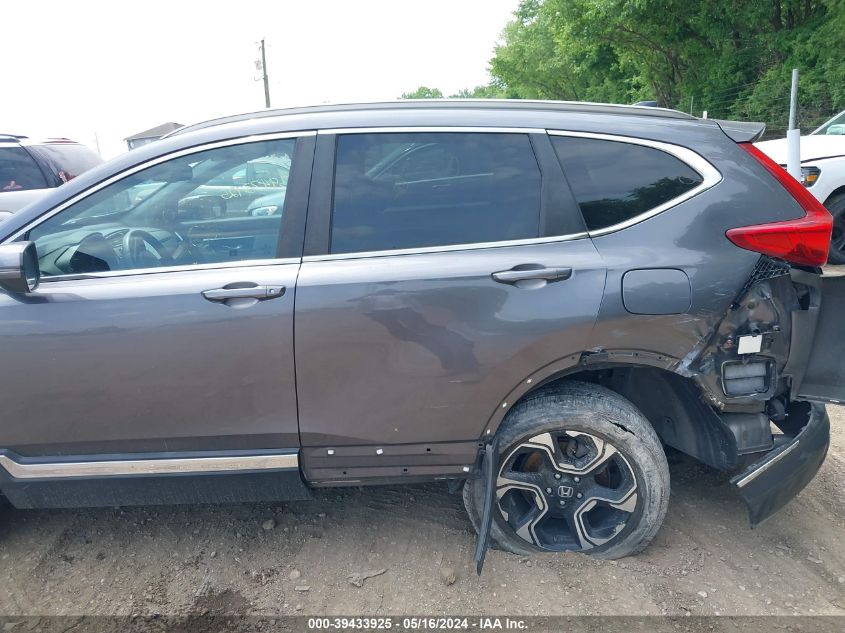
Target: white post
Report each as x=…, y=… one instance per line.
x=793, y=135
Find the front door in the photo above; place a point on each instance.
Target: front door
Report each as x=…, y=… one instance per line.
x=161, y=325
x=453, y=267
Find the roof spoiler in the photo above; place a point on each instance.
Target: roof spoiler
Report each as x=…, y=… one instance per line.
x=742, y=131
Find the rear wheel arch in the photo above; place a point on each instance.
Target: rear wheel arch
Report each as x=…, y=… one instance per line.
x=675, y=406
x=570, y=367
x=836, y=193
x=835, y=203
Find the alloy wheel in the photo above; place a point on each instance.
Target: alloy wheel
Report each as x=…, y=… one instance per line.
x=566, y=491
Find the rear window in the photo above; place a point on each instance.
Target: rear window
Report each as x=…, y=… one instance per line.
x=615, y=181
x=67, y=160
x=420, y=189
x=18, y=170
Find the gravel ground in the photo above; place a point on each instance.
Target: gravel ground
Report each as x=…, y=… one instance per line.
x=416, y=540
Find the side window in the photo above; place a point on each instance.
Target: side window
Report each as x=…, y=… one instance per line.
x=269, y=174
x=178, y=212
x=420, y=189
x=19, y=171
x=836, y=126
x=231, y=178
x=615, y=181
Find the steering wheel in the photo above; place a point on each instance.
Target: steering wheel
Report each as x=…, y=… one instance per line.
x=137, y=253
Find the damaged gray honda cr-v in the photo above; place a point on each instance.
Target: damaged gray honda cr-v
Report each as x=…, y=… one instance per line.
x=531, y=298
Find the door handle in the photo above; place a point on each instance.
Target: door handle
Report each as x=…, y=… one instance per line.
x=547, y=274
x=250, y=292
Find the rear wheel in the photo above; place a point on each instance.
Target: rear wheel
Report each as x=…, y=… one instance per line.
x=836, y=206
x=580, y=469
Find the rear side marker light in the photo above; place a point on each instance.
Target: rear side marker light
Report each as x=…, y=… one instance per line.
x=803, y=240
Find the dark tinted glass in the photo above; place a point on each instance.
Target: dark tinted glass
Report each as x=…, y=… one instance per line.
x=414, y=190
x=67, y=160
x=18, y=170
x=615, y=181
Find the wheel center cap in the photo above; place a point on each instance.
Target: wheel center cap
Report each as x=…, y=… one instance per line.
x=565, y=492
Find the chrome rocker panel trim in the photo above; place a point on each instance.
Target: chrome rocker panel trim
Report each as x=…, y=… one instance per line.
x=34, y=470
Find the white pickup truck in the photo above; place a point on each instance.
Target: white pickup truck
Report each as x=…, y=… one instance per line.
x=823, y=173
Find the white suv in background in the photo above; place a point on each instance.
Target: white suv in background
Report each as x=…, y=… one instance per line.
x=29, y=167
x=823, y=173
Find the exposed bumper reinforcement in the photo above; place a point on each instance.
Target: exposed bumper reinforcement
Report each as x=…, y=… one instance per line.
x=771, y=482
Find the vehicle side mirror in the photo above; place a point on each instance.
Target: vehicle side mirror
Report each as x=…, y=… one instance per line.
x=19, y=272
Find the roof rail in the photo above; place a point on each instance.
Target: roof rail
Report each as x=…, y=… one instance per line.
x=11, y=137
x=445, y=104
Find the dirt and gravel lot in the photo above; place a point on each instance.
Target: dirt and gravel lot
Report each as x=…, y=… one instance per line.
x=297, y=558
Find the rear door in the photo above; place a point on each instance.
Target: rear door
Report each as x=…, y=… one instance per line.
x=442, y=269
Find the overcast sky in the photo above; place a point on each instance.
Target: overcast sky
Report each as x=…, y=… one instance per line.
x=116, y=68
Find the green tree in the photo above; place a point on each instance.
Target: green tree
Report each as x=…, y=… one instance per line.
x=423, y=93
x=490, y=91
x=730, y=57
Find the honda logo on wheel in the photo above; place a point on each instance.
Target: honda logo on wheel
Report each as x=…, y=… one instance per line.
x=564, y=491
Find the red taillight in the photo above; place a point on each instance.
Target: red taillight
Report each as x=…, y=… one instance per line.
x=801, y=241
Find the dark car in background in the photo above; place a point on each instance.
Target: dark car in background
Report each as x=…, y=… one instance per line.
x=529, y=300
x=28, y=167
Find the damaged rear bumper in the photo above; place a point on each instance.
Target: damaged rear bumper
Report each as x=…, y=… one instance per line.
x=771, y=482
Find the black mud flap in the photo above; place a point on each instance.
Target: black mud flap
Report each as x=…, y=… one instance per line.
x=770, y=483
x=824, y=377
x=488, y=474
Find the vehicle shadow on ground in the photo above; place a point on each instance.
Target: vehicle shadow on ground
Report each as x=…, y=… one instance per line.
x=429, y=505
x=280, y=557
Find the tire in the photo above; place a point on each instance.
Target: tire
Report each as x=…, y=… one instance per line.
x=836, y=206
x=595, y=420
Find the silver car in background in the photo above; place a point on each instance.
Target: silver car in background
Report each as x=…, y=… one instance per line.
x=28, y=168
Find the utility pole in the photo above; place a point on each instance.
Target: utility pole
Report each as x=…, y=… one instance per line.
x=266, y=78
x=793, y=134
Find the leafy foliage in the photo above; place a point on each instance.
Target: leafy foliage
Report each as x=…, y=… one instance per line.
x=732, y=58
x=423, y=92
x=492, y=90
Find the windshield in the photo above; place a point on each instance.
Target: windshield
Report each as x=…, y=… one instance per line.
x=835, y=126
